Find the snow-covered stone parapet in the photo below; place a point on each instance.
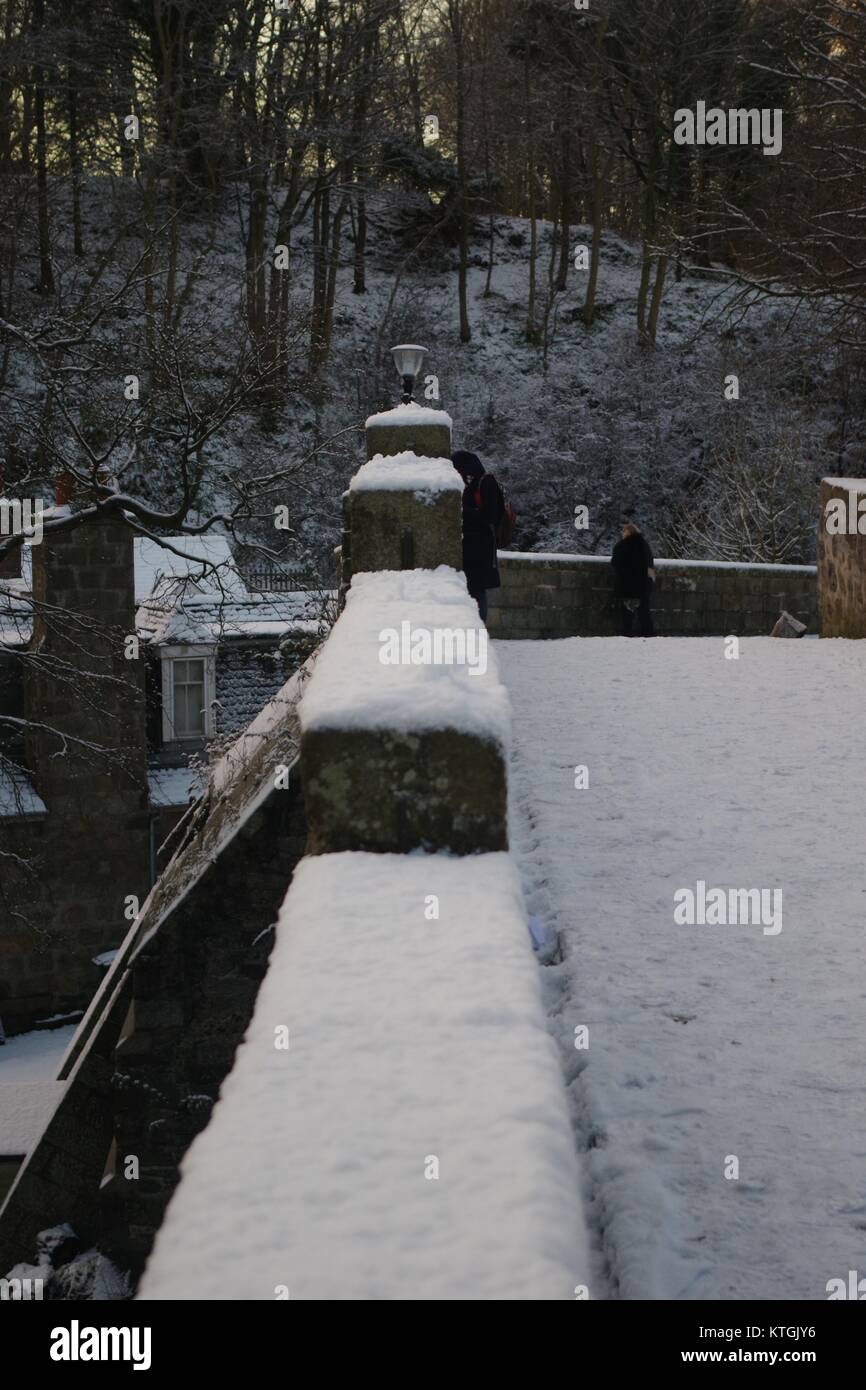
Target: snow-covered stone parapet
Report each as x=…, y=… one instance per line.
x=402, y=512
x=842, y=557
x=409, y=415
x=410, y=426
x=407, y=472
x=561, y=595
x=362, y=680
x=405, y=723
x=410, y=1138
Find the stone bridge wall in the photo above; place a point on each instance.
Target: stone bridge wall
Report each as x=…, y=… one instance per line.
x=572, y=596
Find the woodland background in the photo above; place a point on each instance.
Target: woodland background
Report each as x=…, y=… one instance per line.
x=286, y=210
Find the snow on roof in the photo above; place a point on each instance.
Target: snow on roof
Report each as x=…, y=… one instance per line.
x=18, y=796
x=407, y=472
x=351, y=687
x=174, y=786
x=154, y=565
x=206, y=619
x=409, y=1041
x=29, y=1092
x=410, y=414
x=25, y=1109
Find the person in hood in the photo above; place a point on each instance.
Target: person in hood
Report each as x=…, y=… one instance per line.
x=634, y=572
x=482, y=505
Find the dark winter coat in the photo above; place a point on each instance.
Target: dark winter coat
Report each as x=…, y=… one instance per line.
x=632, y=560
x=479, y=538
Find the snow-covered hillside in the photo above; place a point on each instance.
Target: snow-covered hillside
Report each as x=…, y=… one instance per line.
x=602, y=421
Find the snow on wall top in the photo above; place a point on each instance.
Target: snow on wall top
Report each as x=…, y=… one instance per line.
x=406, y=472
x=408, y=1040
x=575, y=558
x=352, y=688
x=849, y=484
x=409, y=413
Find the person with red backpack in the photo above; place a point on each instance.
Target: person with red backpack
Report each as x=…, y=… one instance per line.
x=488, y=520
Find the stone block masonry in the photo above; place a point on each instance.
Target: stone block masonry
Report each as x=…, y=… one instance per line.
x=146, y=1065
x=550, y=596
x=413, y=428
x=842, y=557
x=411, y=1138
x=402, y=513
x=402, y=509
x=85, y=752
x=404, y=756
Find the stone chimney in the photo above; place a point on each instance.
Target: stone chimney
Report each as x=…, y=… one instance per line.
x=86, y=752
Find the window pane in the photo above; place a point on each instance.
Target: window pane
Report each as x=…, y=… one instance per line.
x=188, y=685
x=179, y=709
x=195, y=712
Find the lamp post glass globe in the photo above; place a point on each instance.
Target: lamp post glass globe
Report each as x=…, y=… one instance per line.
x=408, y=359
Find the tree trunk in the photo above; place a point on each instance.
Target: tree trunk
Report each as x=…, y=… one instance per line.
x=75, y=164
x=531, y=329
x=26, y=127
x=598, y=182
x=658, y=291
x=565, y=210
x=321, y=226
x=643, y=292
x=360, y=282
x=46, y=273
x=648, y=227
x=456, y=18
x=330, y=293
x=7, y=88
x=255, y=256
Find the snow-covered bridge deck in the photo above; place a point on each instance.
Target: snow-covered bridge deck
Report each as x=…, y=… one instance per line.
x=705, y=1041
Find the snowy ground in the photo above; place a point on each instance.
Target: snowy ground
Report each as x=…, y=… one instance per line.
x=704, y=1041
x=28, y=1085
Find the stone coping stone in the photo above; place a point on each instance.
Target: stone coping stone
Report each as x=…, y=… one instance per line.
x=409, y=414
x=352, y=689
x=398, y=755
x=406, y=472
x=413, y=1139
x=552, y=558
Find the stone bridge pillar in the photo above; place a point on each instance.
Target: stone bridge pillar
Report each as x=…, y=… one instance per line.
x=842, y=557
x=402, y=509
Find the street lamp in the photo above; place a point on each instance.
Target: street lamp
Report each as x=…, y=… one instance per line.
x=408, y=359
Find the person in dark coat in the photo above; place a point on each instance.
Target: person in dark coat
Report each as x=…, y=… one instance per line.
x=632, y=562
x=481, y=511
